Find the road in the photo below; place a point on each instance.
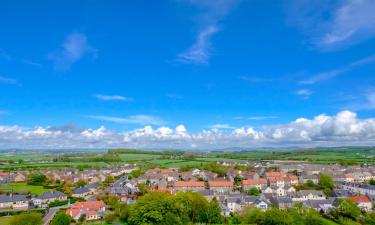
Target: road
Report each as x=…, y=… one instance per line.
x=51, y=213
x=49, y=216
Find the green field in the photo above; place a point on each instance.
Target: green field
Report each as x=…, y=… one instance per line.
x=5, y=220
x=138, y=156
x=23, y=188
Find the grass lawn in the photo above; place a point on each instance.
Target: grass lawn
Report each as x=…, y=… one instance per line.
x=23, y=188
x=5, y=220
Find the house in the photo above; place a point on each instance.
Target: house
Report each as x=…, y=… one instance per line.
x=19, y=202
x=322, y=206
x=189, y=185
x=221, y=186
x=81, y=192
x=363, y=202
x=276, y=181
x=304, y=195
x=282, y=202
x=341, y=193
x=48, y=197
x=90, y=210
x=274, y=174
x=93, y=187
x=305, y=177
x=251, y=183
x=363, y=189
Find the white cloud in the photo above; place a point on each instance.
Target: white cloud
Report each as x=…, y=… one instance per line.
x=74, y=48
x=211, y=13
x=136, y=119
x=199, y=52
x=221, y=126
x=7, y=80
x=305, y=93
x=336, y=72
x=344, y=128
x=113, y=98
x=353, y=21
x=333, y=24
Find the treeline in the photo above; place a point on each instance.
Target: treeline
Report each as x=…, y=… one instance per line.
x=135, y=151
x=90, y=157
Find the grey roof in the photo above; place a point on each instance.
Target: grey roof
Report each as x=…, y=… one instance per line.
x=51, y=194
x=81, y=190
x=93, y=186
x=341, y=193
x=12, y=198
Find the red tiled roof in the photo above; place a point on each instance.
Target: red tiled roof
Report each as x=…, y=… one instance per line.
x=189, y=184
x=254, y=181
x=220, y=183
x=359, y=199
x=276, y=179
x=274, y=174
x=90, y=204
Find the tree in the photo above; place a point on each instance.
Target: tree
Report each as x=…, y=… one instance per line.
x=68, y=191
x=237, y=179
x=28, y=218
x=214, y=213
x=310, y=183
x=61, y=219
x=326, y=183
x=36, y=179
x=254, y=191
x=346, y=209
x=80, y=183
x=136, y=173
x=372, y=181
x=109, y=180
x=370, y=218
x=275, y=216
x=109, y=218
x=252, y=216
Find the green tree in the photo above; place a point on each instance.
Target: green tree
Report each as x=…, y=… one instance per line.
x=109, y=180
x=61, y=219
x=254, y=191
x=36, y=179
x=109, y=218
x=214, y=213
x=28, y=218
x=275, y=216
x=346, y=209
x=326, y=183
x=136, y=173
x=372, y=181
x=310, y=183
x=370, y=218
x=81, y=183
x=252, y=216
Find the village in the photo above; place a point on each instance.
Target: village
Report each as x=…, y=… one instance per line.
x=84, y=194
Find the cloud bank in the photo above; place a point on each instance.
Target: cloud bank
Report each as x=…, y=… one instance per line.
x=344, y=128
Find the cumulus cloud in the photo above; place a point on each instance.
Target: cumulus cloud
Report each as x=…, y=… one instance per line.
x=74, y=48
x=344, y=128
x=113, y=98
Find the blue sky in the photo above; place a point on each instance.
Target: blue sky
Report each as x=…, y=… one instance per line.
x=214, y=67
